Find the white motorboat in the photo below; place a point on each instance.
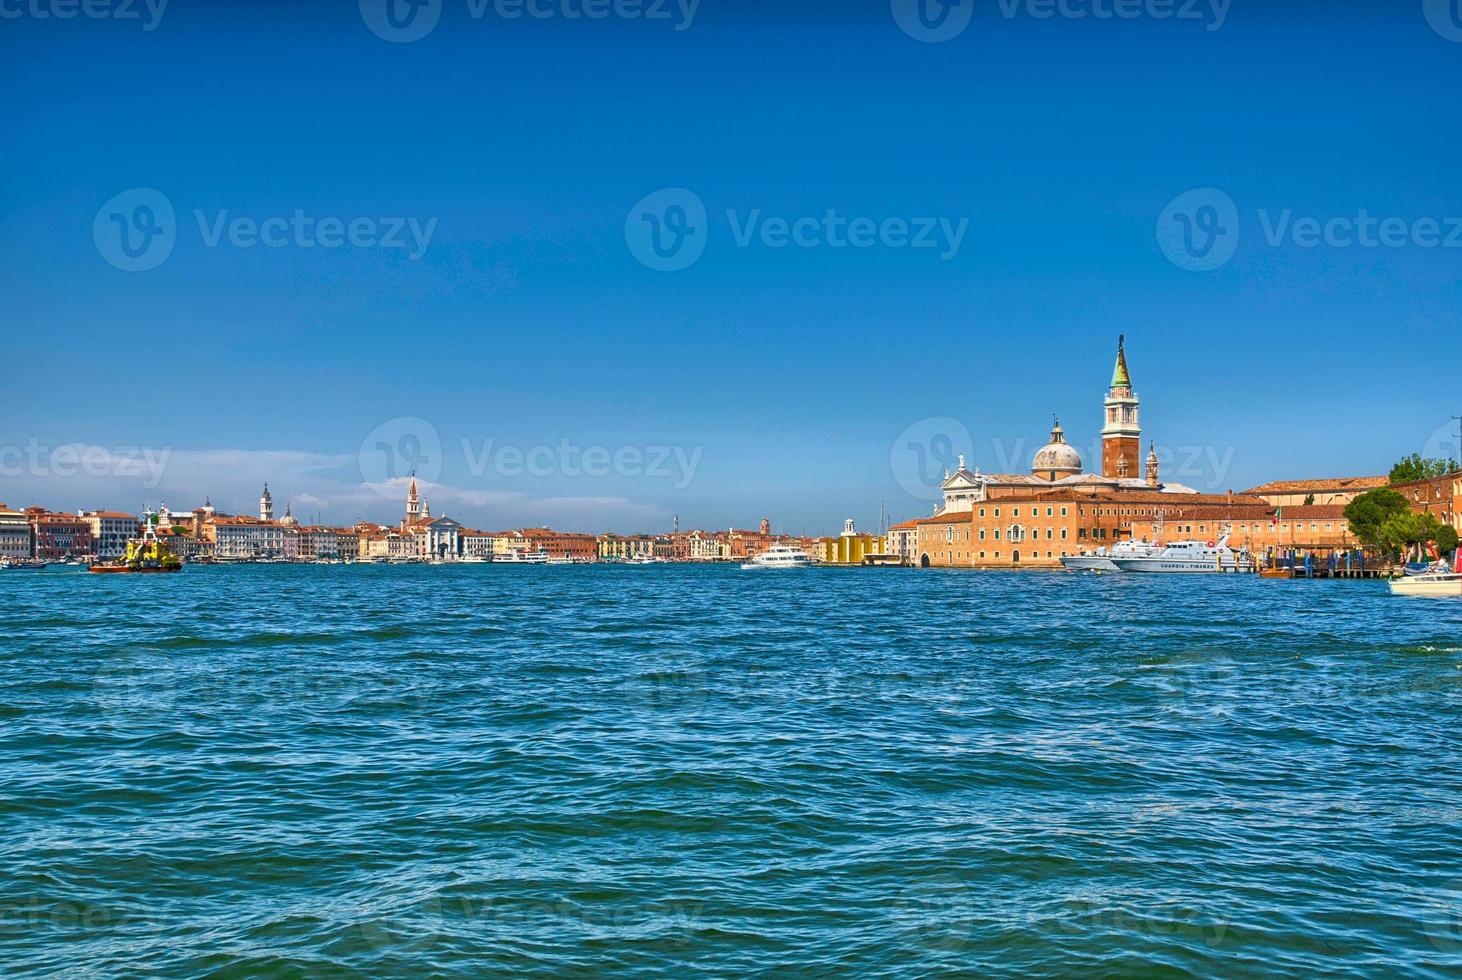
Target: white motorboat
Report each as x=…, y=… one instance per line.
x=1191, y=558
x=645, y=558
x=522, y=558
x=780, y=556
x=1438, y=580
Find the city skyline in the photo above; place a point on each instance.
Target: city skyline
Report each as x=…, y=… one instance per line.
x=412, y=451
x=499, y=287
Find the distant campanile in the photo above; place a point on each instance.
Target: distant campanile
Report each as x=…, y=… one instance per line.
x=1122, y=434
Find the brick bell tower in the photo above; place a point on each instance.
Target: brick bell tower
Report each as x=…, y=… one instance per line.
x=1122, y=434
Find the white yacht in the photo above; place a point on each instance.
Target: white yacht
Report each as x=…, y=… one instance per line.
x=1439, y=580
x=1101, y=560
x=522, y=557
x=645, y=558
x=780, y=556
x=1192, y=558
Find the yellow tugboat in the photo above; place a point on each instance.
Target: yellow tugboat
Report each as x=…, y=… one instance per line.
x=145, y=555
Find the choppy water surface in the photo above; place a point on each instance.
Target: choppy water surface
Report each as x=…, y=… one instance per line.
x=286, y=771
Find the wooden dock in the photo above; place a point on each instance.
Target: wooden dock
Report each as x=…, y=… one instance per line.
x=1321, y=563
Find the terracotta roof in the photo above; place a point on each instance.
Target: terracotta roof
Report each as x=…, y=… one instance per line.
x=906, y=525
x=960, y=518
x=1395, y=486
x=1332, y=484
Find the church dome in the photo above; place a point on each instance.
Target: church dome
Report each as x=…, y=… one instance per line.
x=1056, y=459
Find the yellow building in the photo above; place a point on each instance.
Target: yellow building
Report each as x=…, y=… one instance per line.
x=848, y=548
x=623, y=547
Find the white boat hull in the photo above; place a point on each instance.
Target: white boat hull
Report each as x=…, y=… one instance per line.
x=780, y=556
x=1181, y=566
x=1442, y=585
x=1089, y=563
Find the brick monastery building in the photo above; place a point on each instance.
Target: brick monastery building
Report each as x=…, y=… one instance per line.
x=1002, y=520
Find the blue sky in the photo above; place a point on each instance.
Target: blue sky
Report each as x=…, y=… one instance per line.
x=760, y=379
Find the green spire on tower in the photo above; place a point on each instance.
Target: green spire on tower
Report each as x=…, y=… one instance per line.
x=1120, y=377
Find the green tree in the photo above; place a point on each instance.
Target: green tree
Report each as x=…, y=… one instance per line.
x=1409, y=534
x=1418, y=467
x=1399, y=533
x=1370, y=511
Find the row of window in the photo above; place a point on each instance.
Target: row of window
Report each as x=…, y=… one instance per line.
x=1014, y=556
x=1035, y=511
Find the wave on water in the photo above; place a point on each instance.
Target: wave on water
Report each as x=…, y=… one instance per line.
x=585, y=770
